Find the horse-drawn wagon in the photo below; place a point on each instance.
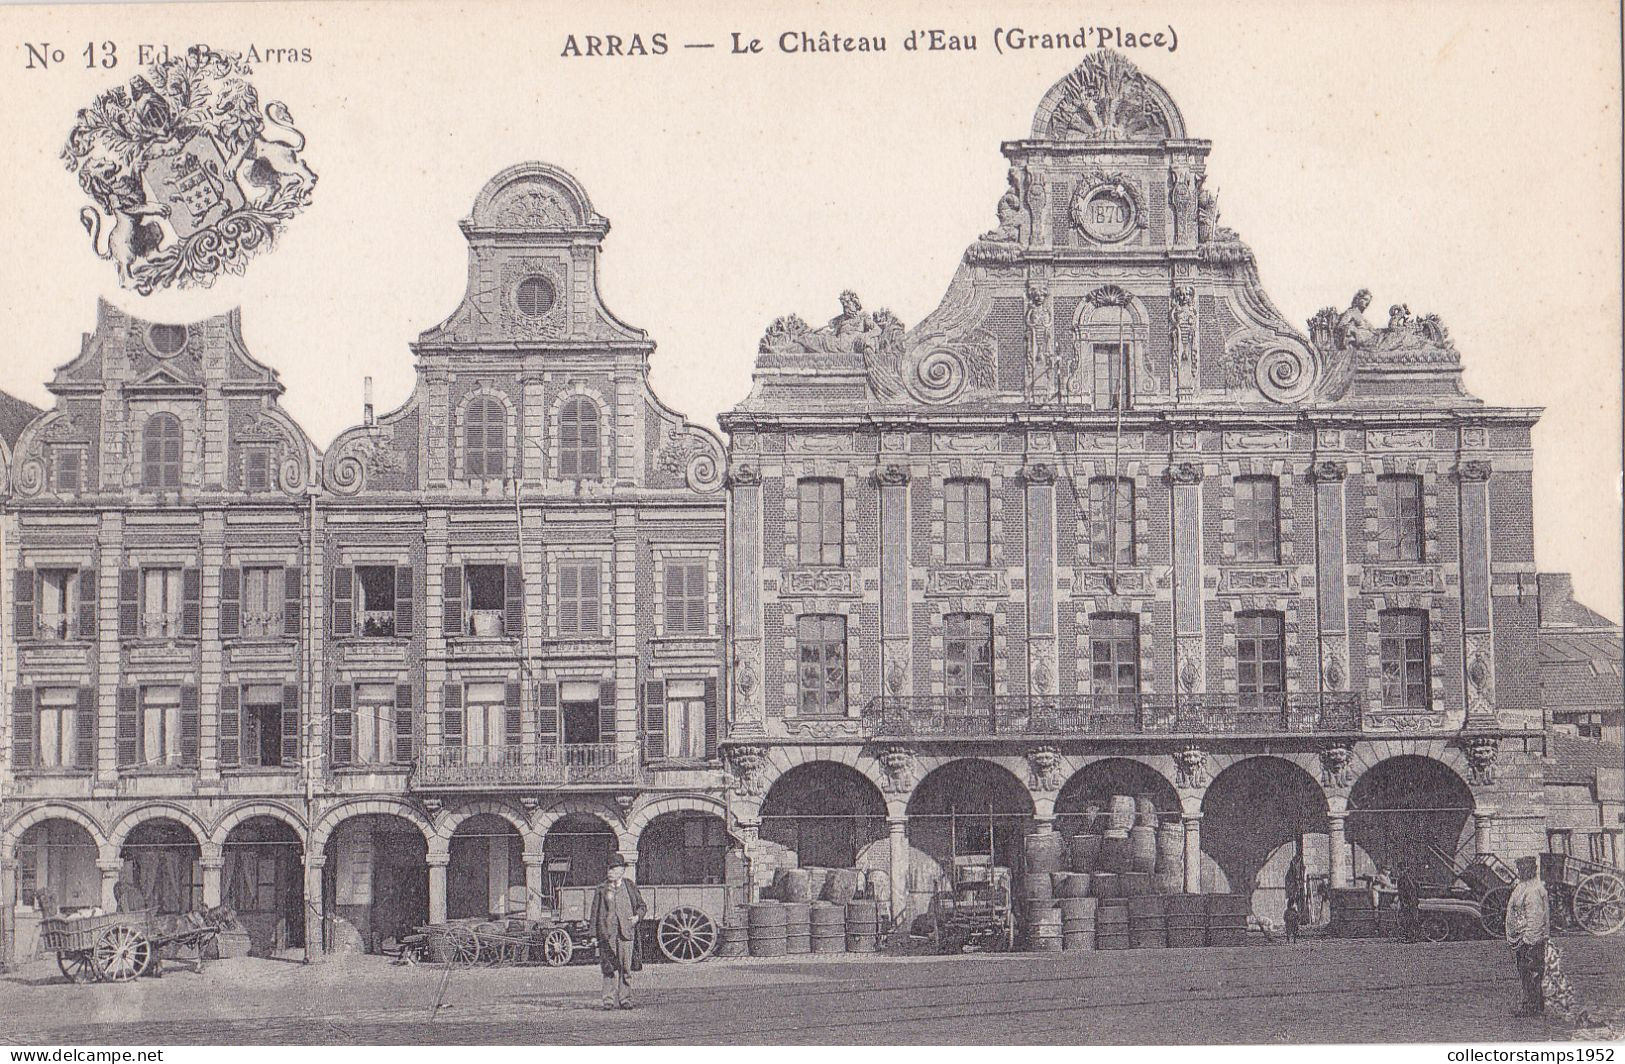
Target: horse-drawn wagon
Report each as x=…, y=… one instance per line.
x=118, y=947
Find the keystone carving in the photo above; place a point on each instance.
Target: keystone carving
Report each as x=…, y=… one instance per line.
x=892, y=475
x=1481, y=753
x=1184, y=473
x=747, y=767
x=1329, y=471
x=898, y=767
x=744, y=475
x=1337, y=766
x=1190, y=767
x=1044, y=768
x=1474, y=469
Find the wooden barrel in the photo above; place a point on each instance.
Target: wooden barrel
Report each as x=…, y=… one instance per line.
x=767, y=929
x=1170, y=847
x=1046, y=852
x=1116, y=855
x=1111, y=915
x=841, y=886
x=862, y=926
x=1044, y=930
x=1071, y=884
x=827, y=925
x=1083, y=852
x=1078, y=911
x=797, y=927
x=793, y=884
x=1105, y=885
x=1037, y=887
x=1227, y=919
x=1134, y=884
x=1142, y=847
x=1077, y=940
x=1145, y=810
x=1168, y=882
x=735, y=942
x=1122, y=813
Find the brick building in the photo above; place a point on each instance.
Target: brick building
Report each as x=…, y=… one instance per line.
x=1106, y=523
x=351, y=691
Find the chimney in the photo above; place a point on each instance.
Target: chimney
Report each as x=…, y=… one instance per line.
x=1556, y=595
x=366, y=402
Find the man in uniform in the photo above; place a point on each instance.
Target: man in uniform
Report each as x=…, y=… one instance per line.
x=1528, y=926
x=616, y=909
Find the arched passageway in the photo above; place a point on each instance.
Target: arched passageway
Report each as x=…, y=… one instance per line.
x=1256, y=815
x=964, y=808
x=375, y=882
x=823, y=813
x=1404, y=808
x=486, y=876
x=1092, y=788
x=577, y=848
x=263, y=880
x=55, y=865
x=683, y=847
x=162, y=869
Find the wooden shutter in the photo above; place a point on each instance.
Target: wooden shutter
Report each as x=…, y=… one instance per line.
x=512, y=719
x=22, y=726
x=129, y=603
x=84, y=729
x=229, y=742
x=713, y=718
x=404, y=589
x=547, y=713
x=654, y=719
x=569, y=597
x=451, y=599
x=231, y=602
x=129, y=726
x=191, y=603
x=23, y=602
x=293, y=597
x=591, y=594
x=190, y=724
x=676, y=621
x=341, y=594
x=606, y=712
x=513, y=601
x=290, y=724
x=451, y=717
x=341, y=721
x=87, y=604
x=404, y=729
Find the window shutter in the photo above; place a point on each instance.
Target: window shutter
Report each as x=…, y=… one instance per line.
x=403, y=600
x=404, y=729
x=569, y=596
x=654, y=720
x=513, y=601
x=229, y=743
x=606, y=712
x=512, y=720
x=451, y=598
x=23, y=601
x=129, y=602
x=231, y=602
x=547, y=713
x=22, y=727
x=451, y=718
x=293, y=597
x=84, y=729
x=191, y=603
x=342, y=595
x=290, y=724
x=190, y=724
x=698, y=622
x=129, y=726
x=713, y=721
x=87, y=604
x=341, y=702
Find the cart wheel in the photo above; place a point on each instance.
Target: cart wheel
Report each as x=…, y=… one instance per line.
x=493, y=946
x=78, y=966
x=687, y=935
x=1435, y=928
x=463, y=947
x=557, y=948
x=1599, y=903
x=122, y=953
x=1492, y=911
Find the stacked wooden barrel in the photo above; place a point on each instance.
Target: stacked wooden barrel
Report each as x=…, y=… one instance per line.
x=862, y=925
x=1227, y=919
x=1187, y=920
x=1083, y=852
x=1078, y=923
x=735, y=940
x=841, y=886
x=1147, y=922
x=1134, y=884
x=1106, y=885
x=1044, y=929
x=1142, y=846
x=827, y=927
x=1046, y=852
x=797, y=927
x=1070, y=884
x=1111, y=924
x=1169, y=877
x=767, y=923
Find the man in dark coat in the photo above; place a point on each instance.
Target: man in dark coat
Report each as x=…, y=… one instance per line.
x=616, y=909
x=1410, y=903
x=1296, y=896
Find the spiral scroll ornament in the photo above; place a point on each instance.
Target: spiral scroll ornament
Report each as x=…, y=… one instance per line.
x=1285, y=375
x=938, y=376
x=704, y=471
x=348, y=475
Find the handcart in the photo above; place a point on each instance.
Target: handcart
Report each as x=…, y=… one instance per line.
x=1489, y=881
x=1584, y=894
x=116, y=947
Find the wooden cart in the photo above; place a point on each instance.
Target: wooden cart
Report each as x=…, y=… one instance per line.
x=1489, y=880
x=1584, y=894
x=684, y=921
x=975, y=913
x=117, y=947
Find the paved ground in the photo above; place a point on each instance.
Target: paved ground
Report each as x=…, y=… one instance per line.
x=1317, y=991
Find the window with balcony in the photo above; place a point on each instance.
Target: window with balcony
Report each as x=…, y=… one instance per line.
x=161, y=603
x=485, y=723
x=820, y=521
x=59, y=604
x=579, y=598
x=159, y=735
x=583, y=714
x=965, y=521
x=161, y=453
x=685, y=598
x=375, y=724
x=262, y=725
x=1403, y=643
x=1399, y=518
x=485, y=438
x=967, y=666
x=375, y=587
x=685, y=719
x=821, y=665
x=487, y=599
x=1114, y=655
x=578, y=438
x=58, y=726
x=1260, y=658
x=264, y=593
x=1258, y=520
x=1111, y=521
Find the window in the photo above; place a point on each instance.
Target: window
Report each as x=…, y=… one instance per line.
x=160, y=603
x=1114, y=655
x=167, y=340
x=375, y=724
x=965, y=521
x=160, y=734
x=578, y=438
x=685, y=598
x=257, y=469
x=1258, y=526
x=1111, y=362
x=685, y=719
x=262, y=725
x=485, y=437
x=264, y=591
x=487, y=599
x=821, y=665
x=967, y=668
x=583, y=721
x=534, y=297
x=1560, y=842
x=1111, y=521
x=820, y=519
x=1403, y=635
x=58, y=603
x=486, y=724
x=376, y=586
x=161, y=453
x=1399, y=518
x=1260, y=658
x=67, y=470
x=58, y=726
x=578, y=598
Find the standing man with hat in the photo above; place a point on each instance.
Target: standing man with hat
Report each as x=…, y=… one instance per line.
x=616, y=909
x=1528, y=926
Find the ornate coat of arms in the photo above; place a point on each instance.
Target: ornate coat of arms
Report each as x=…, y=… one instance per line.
x=190, y=178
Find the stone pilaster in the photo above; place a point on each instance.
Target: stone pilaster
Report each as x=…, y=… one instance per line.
x=745, y=585
x=1330, y=562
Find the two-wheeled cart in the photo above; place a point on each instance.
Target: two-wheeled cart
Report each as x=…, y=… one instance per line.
x=117, y=947
x=1489, y=881
x=1584, y=894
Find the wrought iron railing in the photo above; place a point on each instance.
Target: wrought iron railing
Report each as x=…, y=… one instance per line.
x=948, y=716
x=533, y=765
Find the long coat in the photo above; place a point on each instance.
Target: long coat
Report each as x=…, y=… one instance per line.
x=615, y=924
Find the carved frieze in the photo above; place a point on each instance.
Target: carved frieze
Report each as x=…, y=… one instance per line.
x=815, y=581
x=1328, y=471
x=1257, y=440
x=1109, y=582
x=1399, y=439
x=892, y=475
x=978, y=582
x=1416, y=578
x=1480, y=654
x=1184, y=473
x=1238, y=580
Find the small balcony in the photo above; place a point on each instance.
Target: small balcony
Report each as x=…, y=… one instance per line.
x=1112, y=716
x=476, y=768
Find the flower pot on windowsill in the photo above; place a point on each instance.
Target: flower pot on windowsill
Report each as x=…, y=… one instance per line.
x=487, y=625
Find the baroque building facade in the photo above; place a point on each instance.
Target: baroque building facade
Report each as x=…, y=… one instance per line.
x=352, y=691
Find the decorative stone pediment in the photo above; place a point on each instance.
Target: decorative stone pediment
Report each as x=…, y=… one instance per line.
x=1106, y=99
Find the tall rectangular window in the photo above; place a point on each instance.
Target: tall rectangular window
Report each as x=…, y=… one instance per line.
x=160, y=734
x=265, y=591
x=965, y=521
x=1258, y=520
x=487, y=599
x=820, y=520
x=578, y=598
x=967, y=665
x=375, y=585
x=1403, y=639
x=58, y=603
x=1111, y=362
x=160, y=603
x=486, y=723
x=1260, y=658
x=685, y=597
x=582, y=713
x=1399, y=518
x=685, y=720
x=821, y=665
x=256, y=469
x=262, y=725
x=1111, y=521
x=67, y=469
x=1114, y=654
x=374, y=723
x=58, y=726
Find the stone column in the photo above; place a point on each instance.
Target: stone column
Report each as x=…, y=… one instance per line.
x=315, y=909
x=747, y=714
x=535, y=885
x=1338, y=850
x=110, y=869
x=437, y=887
x=1478, y=643
x=1483, y=821
x=212, y=866
x=1193, y=853
x=898, y=826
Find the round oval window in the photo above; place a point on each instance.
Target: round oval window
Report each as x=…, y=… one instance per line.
x=534, y=296
x=167, y=340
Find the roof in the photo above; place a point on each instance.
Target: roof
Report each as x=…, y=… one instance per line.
x=15, y=414
x=1572, y=759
